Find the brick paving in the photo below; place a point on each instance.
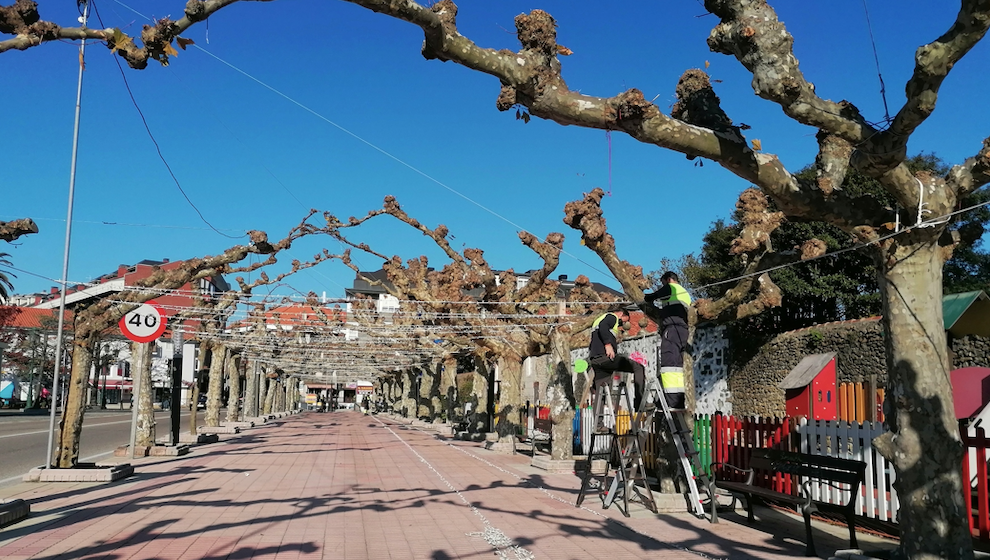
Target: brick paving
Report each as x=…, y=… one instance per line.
x=344, y=485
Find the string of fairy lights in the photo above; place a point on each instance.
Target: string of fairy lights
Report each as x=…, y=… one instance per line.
x=350, y=339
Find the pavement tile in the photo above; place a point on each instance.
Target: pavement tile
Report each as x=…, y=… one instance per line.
x=344, y=485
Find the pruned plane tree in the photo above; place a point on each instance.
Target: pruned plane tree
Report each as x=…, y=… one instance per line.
x=96, y=315
x=909, y=242
x=476, y=306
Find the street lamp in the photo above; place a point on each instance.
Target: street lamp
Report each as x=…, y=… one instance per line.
x=104, y=371
x=4, y=346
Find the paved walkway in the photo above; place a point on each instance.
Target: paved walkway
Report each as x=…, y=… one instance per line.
x=344, y=485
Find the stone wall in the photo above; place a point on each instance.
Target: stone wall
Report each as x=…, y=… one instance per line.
x=859, y=356
x=970, y=351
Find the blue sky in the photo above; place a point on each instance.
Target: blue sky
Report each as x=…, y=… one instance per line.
x=251, y=159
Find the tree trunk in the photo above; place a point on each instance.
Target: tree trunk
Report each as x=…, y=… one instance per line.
x=281, y=392
x=448, y=386
x=480, y=393
x=291, y=392
x=560, y=396
x=269, y=397
x=141, y=366
x=388, y=386
x=214, y=392
x=923, y=443
x=234, y=382
x=433, y=377
x=204, y=349
x=70, y=429
x=251, y=391
x=397, y=394
x=409, y=396
x=509, y=401
x=427, y=381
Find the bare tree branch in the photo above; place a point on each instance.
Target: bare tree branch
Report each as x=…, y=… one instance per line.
x=932, y=64
x=9, y=231
x=751, y=32
x=23, y=20
x=972, y=174
x=832, y=162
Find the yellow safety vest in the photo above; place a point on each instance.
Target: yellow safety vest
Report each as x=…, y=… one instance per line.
x=672, y=379
x=615, y=329
x=678, y=295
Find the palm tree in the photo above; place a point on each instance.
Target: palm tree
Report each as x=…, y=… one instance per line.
x=5, y=278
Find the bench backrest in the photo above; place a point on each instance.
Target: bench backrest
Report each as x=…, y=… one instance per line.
x=543, y=425
x=847, y=471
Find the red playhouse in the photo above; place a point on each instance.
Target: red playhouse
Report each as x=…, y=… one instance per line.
x=810, y=388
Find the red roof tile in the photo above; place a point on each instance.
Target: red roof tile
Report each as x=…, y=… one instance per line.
x=29, y=318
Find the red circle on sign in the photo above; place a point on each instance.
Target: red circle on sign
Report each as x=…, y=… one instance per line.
x=144, y=324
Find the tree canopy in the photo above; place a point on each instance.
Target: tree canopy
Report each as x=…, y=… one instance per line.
x=833, y=288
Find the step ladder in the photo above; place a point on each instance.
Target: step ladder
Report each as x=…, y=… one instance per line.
x=694, y=471
x=622, y=454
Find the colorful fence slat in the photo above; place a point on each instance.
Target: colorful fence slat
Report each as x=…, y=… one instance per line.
x=722, y=439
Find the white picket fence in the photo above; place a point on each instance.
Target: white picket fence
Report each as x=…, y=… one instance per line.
x=847, y=440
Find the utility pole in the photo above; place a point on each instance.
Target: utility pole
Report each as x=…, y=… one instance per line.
x=84, y=6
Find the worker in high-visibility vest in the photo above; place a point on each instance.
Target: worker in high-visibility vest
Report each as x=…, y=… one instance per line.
x=674, y=301
x=603, y=355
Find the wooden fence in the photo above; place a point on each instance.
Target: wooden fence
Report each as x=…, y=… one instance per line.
x=856, y=404
x=734, y=439
x=975, y=470
x=727, y=439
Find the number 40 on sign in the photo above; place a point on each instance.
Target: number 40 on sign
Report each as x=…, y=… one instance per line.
x=144, y=324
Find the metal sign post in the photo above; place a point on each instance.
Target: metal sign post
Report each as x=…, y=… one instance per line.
x=176, y=395
x=144, y=324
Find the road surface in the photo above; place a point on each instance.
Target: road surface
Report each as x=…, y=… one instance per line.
x=24, y=439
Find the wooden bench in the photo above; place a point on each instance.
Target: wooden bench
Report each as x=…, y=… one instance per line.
x=845, y=474
x=541, y=434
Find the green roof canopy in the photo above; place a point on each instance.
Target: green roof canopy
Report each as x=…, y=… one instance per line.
x=967, y=313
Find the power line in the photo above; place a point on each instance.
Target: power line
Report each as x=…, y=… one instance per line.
x=927, y=223
x=373, y=146
x=876, y=58
x=161, y=156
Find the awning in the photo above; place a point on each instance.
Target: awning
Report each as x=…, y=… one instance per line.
x=966, y=313
x=319, y=386
x=125, y=385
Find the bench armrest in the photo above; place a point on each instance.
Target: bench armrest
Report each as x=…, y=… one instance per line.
x=749, y=479
x=805, y=492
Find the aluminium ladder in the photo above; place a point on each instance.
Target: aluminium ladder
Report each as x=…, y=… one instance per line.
x=694, y=471
x=625, y=458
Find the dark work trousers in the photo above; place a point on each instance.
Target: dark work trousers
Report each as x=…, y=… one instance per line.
x=673, y=341
x=604, y=368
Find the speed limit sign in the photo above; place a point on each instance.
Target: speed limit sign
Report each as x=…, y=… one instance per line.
x=144, y=324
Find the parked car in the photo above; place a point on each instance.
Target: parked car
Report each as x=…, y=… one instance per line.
x=201, y=403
